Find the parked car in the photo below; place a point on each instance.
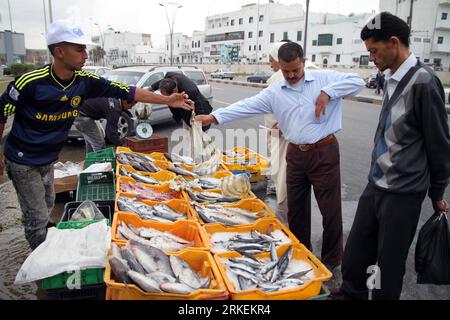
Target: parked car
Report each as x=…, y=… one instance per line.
x=260, y=76
x=145, y=76
x=371, y=81
x=222, y=74
x=100, y=71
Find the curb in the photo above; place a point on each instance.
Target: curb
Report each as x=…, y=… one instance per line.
x=363, y=99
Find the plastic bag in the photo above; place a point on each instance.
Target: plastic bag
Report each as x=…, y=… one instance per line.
x=87, y=211
x=432, y=259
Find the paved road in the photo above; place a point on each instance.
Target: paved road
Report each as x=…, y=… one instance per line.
x=355, y=140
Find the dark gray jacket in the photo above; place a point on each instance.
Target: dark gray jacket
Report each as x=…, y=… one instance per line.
x=412, y=141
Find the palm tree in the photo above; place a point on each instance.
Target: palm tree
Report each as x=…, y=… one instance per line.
x=97, y=54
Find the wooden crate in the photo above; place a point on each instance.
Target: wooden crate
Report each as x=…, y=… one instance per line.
x=157, y=143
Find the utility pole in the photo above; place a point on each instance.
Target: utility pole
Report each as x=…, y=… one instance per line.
x=50, y=10
x=305, y=42
x=10, y=17
x=45, y=25
x=411, y=6
x=171, y=25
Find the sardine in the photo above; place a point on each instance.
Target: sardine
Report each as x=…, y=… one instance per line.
x=144, y=179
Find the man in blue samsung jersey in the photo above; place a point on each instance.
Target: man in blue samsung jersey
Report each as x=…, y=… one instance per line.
x=45, y=103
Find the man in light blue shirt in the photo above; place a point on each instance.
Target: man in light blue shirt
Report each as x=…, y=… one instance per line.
x=308, y=108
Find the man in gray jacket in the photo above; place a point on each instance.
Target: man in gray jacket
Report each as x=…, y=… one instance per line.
x=411, y=158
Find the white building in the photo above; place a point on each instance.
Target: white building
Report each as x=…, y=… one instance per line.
x=181, y=51
x=121, y=47
x=147, y=55
x=430, y=32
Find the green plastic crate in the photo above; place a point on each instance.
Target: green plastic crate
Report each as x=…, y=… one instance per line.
x=323, y=295
x=88, y=276
x=96, y=186
x=101, y=156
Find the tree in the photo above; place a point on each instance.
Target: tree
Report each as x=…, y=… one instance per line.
x=97, y=54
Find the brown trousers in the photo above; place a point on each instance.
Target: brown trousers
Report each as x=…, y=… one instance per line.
x=320, y=168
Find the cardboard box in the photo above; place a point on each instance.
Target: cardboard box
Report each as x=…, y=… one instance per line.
x=66, y=184
x=157, y=143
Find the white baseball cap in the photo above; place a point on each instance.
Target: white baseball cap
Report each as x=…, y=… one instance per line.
x=64, y=31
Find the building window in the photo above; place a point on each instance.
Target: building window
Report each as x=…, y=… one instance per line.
x=364, y=60
x=259, y=47
x=232, y=22
x=426, y=40
x=314, y=42
x=440, y=40
x=250, y=20
x=193, y=44
x=220, y=25
x=254, y=47
x=299, y=36
x=426, y=60
x=325, y=39
x=417, y=39
x=249, y=48
x=444, y=16
x=261, y=34
x=313, y=58
x=213, y=26
x=261, y=18
x=198, y=44
x=241, y=20
x=272, y=37
x=338, y=58
x=339, y=41
x=250, y=35
x=285, y=36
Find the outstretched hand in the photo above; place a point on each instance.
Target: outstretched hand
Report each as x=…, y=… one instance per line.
x=180, y=101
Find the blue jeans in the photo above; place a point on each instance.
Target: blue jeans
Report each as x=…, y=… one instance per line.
x=34, y=188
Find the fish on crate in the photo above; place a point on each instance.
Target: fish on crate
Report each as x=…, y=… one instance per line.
x=269, y=275
x=228, y=216
x=156, y=272
x=139, y=177
x=210, y=197
x=159, y=212
x=145, y=192
x=252, y=242
x=176, y=158
x=138, y=162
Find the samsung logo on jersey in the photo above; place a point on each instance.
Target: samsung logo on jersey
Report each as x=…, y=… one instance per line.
x=56, y=117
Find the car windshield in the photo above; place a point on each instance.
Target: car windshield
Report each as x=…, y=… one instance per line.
x=196, y=76
x=126, y=77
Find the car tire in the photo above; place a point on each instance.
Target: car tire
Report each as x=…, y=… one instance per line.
x=124, y=126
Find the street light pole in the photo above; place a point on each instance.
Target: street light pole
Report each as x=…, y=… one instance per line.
x=10, y=17
x=257, y=38
x=45, y=25
x=306, y=28
x=50, y=10
x=171, y=25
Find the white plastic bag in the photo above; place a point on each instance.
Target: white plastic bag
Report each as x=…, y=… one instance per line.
x=67, y=250
x=87, y=211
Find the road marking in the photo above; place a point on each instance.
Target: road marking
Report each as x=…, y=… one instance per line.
x=222, y=102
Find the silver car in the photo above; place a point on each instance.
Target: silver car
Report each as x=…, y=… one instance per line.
x=142, y=77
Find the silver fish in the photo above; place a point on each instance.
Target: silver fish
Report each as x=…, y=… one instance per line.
x=147, y=284
x=179, y=288
x=182, y=171
x=184, y=272
x=164, y=211
x=134, y=265
x=115, y=250
x=144, y=179
x=161, y=277
x=120, y=269
x=151, y=258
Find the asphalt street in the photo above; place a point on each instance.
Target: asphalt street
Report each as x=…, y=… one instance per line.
x=356, y=139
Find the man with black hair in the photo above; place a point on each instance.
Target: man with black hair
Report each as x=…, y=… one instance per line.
x=45, y=103
x=175, y=82
x=411, y=157
x=308, y=108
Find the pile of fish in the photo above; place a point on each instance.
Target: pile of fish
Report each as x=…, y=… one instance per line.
x=146, y=193
x=268, y=275
x=176, y=158
x=138, y=161
x=165, y=241
x=210, y=197
x=139, y=177
x=178, y=169
x=206, y=183
x=229, y=216
x=248, y=242
x=159, y=212
x=154, y=271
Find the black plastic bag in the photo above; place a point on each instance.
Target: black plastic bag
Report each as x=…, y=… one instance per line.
x=432, y=260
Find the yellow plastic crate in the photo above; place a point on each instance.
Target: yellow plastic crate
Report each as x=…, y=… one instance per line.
x=201, y=261
x=309, y=289
x=161, y=176
x=189, y=230
x=262, y=226
x=253, y=205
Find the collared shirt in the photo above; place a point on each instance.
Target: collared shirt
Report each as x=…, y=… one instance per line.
x=394, y=79
x=294, y=106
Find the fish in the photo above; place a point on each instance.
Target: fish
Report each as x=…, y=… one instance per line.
x=145, y=283
x=164, y=211
x=182, y=171
x=151, y=258
x=144, y=179
x=120, y=269
x=206, y=183
x=299, y=274
x=179, y=288
x=115, y=250
x=161, y=277
x=131, y=260
x=184, y=272
x=174, y=158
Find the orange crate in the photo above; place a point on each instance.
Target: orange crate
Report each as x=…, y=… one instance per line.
x=253, y=205
x=262, y=226
x=201, y=261
x=180, y=205
x=309, y=289
x=189, y=230
x=163, y=188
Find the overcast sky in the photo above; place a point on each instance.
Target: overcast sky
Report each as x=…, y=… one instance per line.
x=144, y=16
